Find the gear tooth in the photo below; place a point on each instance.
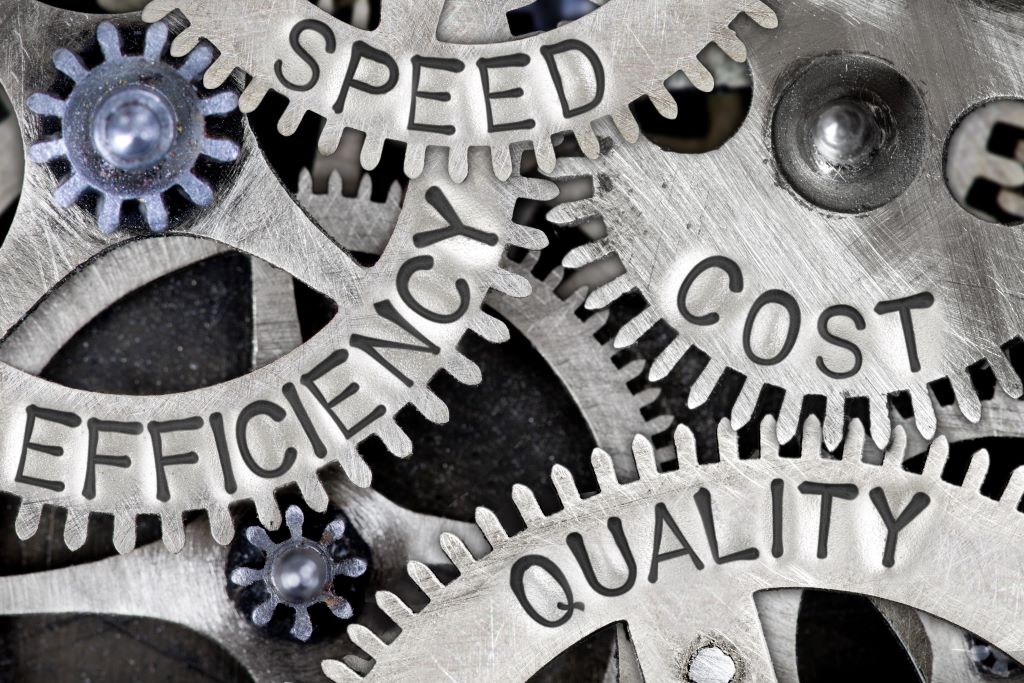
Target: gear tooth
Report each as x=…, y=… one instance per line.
x=501, y=162
x=698, y=74
x=924, y=413
x=396, y=610
x=666, y=361
x=604, y=470
x=509, y=283
x=68, y=192
x=46, y=105
x=835, y=414
x=565, y=486
x=853, y=447
x=221, y=527
x=587, y=140
x=294, y=518
x=457, y=552
x=76, y=529
x=70, y=64
x=966, y=397
x=660, y=423
x=157, y=10
x=491, y=527
x=643, y=455
x=27, y=522
x=527, y=505
x=1014, y=490
x=196, y=64
x=156, y=42
x=810, y=442
x=545, y=154
x=1005, y=374
x=526, y=237
x=769, y=439
x=219, y=105
x=268, y=511
x=938, y=454
x=663, y=101
x=526, y=266
x=219, y=149
x=155, y=211
x=458, y=163
x=627, y=125
x=219, y=72
x=394, y=198
x=197, y=190
x=464, y=370
x=373, y=146
x=425, y=578
x=313, y=492
x=257, y=536
x=1010, y=201
x=290, y=119
x=253, y=94
x=685, y=445
x=172, y=529
x=302, y=627
x=789, y=417
x=264, y=611
x=489, y=328
x=363, y=192
x=185, y=42
x=356, y=468
x=431, y=407
x=637, y=327
x=728, y=442
x=896, y=453
x=705, y=383
x=415, y=155
x=648, y=396
x=395, y=439
x=591, y=325
x=124, y=532
x=730, y=43
x=743, y=408
x=47, y=150
x=367, y=641
x=763, y=15
x=633, y=370
x=351, y=567
x=109, y=213
x=246, y=576
x=603, y=296
x=977, y=471
x=881, y=425
x=585, y=254
x=339, y=672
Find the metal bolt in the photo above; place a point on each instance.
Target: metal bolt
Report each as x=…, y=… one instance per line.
x=846, y=134
x=134, y=128
x=711, y=664
x=300, y=573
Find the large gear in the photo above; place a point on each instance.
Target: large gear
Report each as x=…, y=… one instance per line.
x=502, y=94
x=871, y=277
x=188, y=461
x=695, y=545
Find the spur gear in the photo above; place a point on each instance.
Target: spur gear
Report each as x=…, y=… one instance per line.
x=300, y=572
x=133, y=127
x=819, y=250
x=695, y=546
x=501, y=94
x=165, y=455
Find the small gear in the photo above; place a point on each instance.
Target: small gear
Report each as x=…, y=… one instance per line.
x=299, y=572
x=501, y=94
x=133, y=127
x=695, y=546
x=820, y=250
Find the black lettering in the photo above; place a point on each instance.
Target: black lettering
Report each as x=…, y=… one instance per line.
x=94, y=458
x=778, y=488
x=156, y=433
x=309, y=381
x=369, y=345
x=703, y=500
x=579, y=551
x=904, y=308
x=507, y=61
x=519, y=570
x=330, y=44
x=663, y=517
x=32, y=413
x=858, y=322
x=827, y=493
x=551, y=51
x=359, y=51
x=292, y=396
x=435, y=197
x=217, y=426
x=786, y=300
x=894, y=525
x=275, y=413
x=735, y=285
x=418, y=63
x=413, y=266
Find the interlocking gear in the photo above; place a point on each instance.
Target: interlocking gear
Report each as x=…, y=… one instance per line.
x=300, y=572
x=399, y=323
x=695, y=546
x=820, y=250
x=392, y=83
x=133, y=127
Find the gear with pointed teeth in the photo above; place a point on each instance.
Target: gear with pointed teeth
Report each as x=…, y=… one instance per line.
x=399, y=323
x=813, y=260
x=498, y=94
x=133, y=127
x=300, y=572
x=694, y=546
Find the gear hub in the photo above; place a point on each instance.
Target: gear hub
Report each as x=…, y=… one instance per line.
x=133, y=128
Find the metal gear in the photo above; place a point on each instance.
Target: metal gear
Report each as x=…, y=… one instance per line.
x=12, y=159
x=188, y=462
x=694, y=546
x=851, y=269
x=300, y=572
x=575, y=74
x=133, y=127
